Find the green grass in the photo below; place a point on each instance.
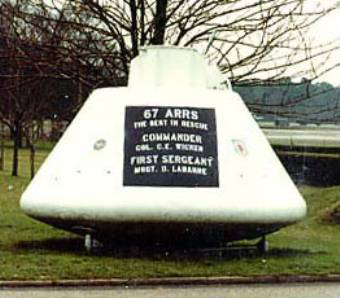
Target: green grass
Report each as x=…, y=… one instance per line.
x=31, y=250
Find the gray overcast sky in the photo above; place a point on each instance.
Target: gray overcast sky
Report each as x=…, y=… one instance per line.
x=327, y=30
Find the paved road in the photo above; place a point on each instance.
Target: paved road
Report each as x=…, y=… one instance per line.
x=319, y=138
x=330, y=290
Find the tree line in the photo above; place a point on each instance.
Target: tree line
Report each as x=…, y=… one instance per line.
x=303, y=102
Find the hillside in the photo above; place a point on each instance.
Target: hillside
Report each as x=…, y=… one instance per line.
x=302, y=102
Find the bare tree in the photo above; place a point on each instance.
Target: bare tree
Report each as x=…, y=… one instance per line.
x=2, y=146
x=24, y=85
x=92, y=42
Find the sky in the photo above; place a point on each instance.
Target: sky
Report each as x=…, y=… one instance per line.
x=327, y=30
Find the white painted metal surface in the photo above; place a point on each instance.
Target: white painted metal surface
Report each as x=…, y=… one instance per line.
x=82, y=179
x=172, y=67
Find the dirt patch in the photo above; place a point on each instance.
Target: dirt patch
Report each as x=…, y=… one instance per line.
x=333, y=215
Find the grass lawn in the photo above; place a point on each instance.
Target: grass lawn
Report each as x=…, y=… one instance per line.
x=32, y=250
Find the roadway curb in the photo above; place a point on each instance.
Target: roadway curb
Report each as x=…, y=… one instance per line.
x=171, y=281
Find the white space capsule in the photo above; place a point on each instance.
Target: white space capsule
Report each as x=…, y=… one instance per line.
x=173, y=154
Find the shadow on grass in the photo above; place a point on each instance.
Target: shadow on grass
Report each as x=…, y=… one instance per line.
x=75, y=246
x=53, y=245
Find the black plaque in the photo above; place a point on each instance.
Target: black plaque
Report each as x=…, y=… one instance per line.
x=170, y=146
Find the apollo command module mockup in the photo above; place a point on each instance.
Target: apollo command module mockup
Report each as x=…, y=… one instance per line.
x=173, y=155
